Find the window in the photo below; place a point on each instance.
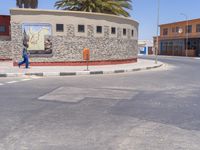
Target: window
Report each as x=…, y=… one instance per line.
x=124, y=32
x=172, y=47
x=198, y=28
x=99, y=29
x=173, y=30
x=81, y=28
x=113, y=30
x=2, y=28
x=188, y=29
x=132, y=33
x=59, y=28
x=165, y=31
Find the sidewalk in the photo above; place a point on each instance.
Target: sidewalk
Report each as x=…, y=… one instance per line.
x=7, y=70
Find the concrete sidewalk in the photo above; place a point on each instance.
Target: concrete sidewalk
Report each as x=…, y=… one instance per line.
x=7, y=70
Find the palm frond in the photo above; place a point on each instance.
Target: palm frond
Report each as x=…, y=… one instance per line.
x=116, y=7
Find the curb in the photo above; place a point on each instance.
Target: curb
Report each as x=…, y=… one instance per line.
x=99, y=72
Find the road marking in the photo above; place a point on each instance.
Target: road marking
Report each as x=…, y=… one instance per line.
x=25, y=79
x=21, y=80
x=10, y=82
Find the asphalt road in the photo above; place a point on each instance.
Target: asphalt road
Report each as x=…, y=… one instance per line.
x=149, y=110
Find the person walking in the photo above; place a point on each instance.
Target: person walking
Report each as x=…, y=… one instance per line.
x=25, y=57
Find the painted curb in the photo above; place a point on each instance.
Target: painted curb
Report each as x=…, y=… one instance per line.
x=96, y=72
x=3, y=75
x=67, y=73
x=76, y=73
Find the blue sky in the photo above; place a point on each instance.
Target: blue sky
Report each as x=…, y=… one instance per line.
x=144, y=11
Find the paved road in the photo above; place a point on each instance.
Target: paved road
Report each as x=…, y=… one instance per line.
x=147, y=110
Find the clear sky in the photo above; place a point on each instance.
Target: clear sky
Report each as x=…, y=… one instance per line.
x=144, y=11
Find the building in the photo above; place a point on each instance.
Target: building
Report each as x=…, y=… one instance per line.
x=58, y=37
x=5, y=37
x=4, y=27
x=145, y=47
x=180, y=38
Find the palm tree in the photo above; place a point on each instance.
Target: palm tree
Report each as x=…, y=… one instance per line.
x=27, y=3
x=116, y=7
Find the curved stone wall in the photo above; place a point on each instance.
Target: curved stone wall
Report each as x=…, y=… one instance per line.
x=5, y=50
x=67, y=45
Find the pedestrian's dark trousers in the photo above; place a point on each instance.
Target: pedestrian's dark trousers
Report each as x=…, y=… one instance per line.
x=25, y=61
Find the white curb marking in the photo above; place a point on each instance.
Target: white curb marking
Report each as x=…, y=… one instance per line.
x=1, y=84
x=82, y=73
x=51, y=74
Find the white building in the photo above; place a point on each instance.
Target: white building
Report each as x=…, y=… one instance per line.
x=145, y=47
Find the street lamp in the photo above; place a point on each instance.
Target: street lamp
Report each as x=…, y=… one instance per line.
x=186, y=34
x=158, y=16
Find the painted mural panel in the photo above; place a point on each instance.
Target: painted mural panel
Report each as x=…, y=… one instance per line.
x=37, y=36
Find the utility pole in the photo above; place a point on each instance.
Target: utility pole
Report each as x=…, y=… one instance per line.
x=186, y=33
x=157, y=44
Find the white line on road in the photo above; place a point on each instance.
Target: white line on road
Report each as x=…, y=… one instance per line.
x=25, y=79
x=22, y=80
x=10, y=82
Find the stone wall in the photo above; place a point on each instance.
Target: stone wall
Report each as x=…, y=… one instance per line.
x=5, y=50
x=16, y=36
x=68, y=47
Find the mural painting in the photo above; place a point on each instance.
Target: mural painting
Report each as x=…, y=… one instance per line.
x=37, y=36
